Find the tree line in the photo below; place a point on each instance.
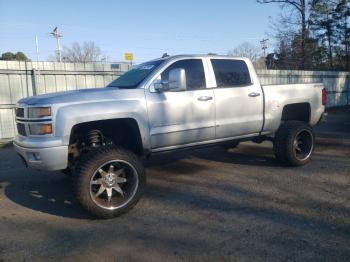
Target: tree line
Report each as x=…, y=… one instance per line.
x=311, y=35
x=9, y=56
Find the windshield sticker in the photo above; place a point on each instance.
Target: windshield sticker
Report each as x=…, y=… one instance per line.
x=146, y=67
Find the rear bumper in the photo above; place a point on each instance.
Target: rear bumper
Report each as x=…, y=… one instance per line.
x=49, y=158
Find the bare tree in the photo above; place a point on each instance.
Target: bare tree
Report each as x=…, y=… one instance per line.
x=246, y=50
x=300, y=7
x=82, y=53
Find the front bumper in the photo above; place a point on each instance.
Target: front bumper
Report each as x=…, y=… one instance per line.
x=323, y=118
x=45, y=158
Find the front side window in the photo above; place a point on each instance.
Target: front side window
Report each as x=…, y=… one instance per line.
x=195, y=77
x=231, y=73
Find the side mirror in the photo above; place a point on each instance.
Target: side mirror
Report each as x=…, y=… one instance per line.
x=177, y=81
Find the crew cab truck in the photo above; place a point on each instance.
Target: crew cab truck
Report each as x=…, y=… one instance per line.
x=101, y=135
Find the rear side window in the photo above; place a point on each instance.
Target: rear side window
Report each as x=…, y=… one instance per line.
x=231, y=73
x=195, y=77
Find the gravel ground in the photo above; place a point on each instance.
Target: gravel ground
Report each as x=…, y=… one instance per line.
x=207, y=205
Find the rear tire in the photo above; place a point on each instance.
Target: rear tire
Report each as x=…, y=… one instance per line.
x=294, y=143
x=109, y=181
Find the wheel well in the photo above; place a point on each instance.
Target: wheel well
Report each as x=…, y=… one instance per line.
x=124, y=132
x=299, y=112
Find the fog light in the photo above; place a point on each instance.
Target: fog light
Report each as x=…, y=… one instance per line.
x=34, y=156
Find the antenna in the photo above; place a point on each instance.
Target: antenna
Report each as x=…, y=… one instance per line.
x=57, y=35
x=264, y=45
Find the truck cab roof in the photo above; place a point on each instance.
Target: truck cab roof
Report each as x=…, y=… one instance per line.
x=188, y=56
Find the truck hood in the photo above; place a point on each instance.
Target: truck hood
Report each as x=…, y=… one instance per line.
x=75, y=96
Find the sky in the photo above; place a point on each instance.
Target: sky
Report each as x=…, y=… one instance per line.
x=146, y=28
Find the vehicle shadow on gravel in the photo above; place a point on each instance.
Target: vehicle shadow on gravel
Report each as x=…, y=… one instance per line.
x=48, y=193
x=51, y=192
x=252, y=156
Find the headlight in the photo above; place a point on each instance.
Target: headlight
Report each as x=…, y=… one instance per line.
x=40, y=129
x=37, y=112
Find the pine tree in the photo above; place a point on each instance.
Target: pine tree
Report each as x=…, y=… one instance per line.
x=322, y=22
x=341, y=17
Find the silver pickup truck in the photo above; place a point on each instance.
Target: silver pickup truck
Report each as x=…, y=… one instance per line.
x=100, y=135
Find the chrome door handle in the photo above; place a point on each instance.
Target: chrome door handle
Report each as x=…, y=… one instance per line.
x=204, y=98
x=254, y=94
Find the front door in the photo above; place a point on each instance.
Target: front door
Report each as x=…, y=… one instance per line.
x=182, y=118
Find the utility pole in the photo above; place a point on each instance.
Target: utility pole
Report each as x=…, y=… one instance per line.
x=264, y=45
x=57, y=35
x=264, y=48
x=37, y=48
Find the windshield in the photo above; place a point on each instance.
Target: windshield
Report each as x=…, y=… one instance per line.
x=136, y=75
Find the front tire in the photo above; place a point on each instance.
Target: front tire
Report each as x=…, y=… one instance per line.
x=294, y=143
x=109, y=181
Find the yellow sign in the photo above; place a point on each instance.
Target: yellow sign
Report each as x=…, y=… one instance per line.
x=129, y=56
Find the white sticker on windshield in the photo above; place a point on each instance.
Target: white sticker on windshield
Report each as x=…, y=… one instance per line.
x=146, y=67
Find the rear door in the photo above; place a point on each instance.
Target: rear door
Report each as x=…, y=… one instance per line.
x=238, y=100
x=186, y=117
